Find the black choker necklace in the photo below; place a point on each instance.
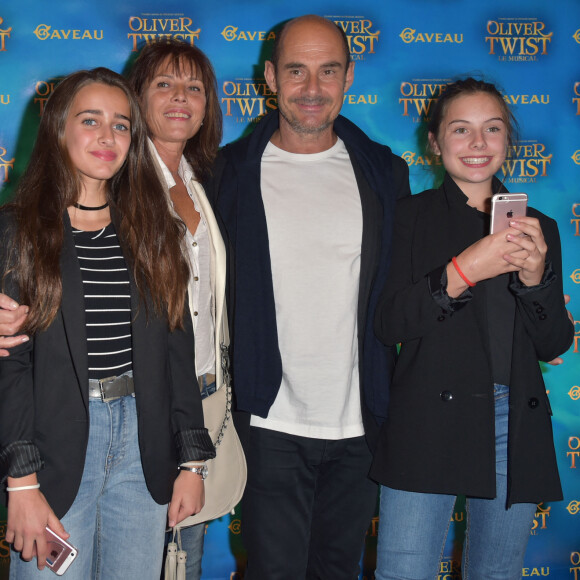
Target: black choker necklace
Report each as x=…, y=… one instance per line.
x=88, y=208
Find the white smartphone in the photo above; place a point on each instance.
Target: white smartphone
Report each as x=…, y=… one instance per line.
x=505, y=207
x=61, y=554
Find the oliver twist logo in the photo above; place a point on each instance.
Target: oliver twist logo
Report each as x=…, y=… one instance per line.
x=410, y=35
x=576, y=97
x=417, y=96
x=362, y=39
x=576, y=36
x=43, y=90
x=517, y=39
x=6, y=165
x=574, y=447
x=155, y=27
x=4, y=34
x=574, y=393
x=576, y=330
x=47, y=32
x=575, y=220
x=540, y=519
x=575, y=568
x=246, y=100
x=527, y=161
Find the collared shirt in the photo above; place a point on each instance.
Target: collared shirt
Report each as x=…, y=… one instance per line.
x=199, y=256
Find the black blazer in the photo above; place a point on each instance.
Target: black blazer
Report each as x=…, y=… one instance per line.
x=44, y=393
x=439, y=434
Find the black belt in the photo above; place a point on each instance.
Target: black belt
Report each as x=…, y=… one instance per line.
x=111, y=388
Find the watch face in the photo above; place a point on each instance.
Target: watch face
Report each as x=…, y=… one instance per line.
x=201, y=470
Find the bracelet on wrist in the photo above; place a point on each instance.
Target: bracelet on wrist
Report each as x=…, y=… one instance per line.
x=461, y=274
x=23, y=487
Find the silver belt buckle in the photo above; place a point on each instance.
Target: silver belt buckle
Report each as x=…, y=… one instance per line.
x=106, y=380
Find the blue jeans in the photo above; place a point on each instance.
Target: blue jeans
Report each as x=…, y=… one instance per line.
x=207, y=389
x=114, y=522
x=413, y=526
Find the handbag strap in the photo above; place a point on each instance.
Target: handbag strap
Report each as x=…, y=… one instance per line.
x=225, y=362
x=226, y=377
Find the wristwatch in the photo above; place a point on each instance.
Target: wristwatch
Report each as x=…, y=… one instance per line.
x=201, y=470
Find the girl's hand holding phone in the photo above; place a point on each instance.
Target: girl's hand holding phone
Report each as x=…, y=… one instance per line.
x=485, y=259
x=532, y=262
x=28, y=516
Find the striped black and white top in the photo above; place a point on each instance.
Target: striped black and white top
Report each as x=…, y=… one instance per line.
x=107, y=302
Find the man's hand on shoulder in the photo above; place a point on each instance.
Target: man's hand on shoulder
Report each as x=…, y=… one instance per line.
x=12, y=317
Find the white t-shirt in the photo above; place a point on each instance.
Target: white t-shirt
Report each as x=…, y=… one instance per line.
x=314, y=220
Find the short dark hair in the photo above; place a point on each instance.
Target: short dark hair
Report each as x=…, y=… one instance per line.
x=201, y=149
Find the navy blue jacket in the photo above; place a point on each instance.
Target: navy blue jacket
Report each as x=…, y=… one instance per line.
x=257, y=368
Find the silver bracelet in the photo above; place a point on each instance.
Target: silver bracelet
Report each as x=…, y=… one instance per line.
x=23, y=487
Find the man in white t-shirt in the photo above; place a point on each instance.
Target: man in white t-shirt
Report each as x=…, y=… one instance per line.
x=307, y=202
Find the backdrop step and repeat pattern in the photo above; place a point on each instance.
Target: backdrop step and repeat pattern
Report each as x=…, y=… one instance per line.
x=405, y=53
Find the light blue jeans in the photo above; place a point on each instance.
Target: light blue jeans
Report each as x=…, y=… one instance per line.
x=413, y=526
x=114, y=522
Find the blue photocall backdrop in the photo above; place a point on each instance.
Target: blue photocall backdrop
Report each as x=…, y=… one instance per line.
x=405, y=52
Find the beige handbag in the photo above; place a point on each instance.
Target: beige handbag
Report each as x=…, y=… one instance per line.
x=226, y=479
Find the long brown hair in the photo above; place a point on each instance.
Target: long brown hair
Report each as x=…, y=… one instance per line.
x=201, y=149
x=149, y=234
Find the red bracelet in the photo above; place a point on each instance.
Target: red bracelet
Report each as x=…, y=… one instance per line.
x=463, y=276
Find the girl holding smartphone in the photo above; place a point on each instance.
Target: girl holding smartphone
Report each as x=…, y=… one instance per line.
x=474, y=312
